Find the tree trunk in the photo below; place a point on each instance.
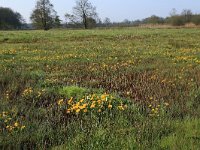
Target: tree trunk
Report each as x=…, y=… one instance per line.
x=85, y=21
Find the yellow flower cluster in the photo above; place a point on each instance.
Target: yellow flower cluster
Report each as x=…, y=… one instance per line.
x=155, y=108
x=13, y=127
x=9, y=123
x=36, y=92
x=27, y=91
x=92, y=103
x=7, y=95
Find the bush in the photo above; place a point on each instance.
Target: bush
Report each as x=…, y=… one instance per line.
x=176, y=20
x=196, y=19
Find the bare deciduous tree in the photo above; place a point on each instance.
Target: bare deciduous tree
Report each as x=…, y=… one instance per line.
x=107, y=21
x=187, y=15
x=82, y=13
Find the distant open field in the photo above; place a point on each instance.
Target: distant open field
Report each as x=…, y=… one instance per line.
x=128, y=88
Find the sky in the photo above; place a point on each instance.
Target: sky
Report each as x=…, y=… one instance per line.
x=116, y=10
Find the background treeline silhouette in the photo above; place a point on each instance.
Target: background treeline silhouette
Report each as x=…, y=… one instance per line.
x=9, y=19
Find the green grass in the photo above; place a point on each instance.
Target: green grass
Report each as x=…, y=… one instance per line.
x=156, y=72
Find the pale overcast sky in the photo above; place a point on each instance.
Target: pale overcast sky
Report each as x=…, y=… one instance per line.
x=116, y=10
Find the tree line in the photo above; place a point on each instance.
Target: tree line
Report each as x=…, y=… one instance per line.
x=44, y=16
x=175, y=19
x=84, y=15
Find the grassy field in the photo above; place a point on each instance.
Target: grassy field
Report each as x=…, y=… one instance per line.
x=125, y=88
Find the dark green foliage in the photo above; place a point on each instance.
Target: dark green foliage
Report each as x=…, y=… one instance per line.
x=154, y=20
x=91, y=23
x=196, y=19
x=10, y=19
x=57, y=22
x=176, y=20
x=43, y=16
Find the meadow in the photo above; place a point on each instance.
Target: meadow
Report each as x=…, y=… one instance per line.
x=123, y=88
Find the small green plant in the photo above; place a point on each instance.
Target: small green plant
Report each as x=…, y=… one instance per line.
x=73, y=91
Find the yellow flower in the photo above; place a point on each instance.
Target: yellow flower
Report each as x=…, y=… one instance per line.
x=109, y=106
x=60, y=102
x=99, y=110
x=81, y=100
x=85, y=110
x=22, y=127
x=16, y=124
x=4, y=114
x=75, y=106
x=166, y=104
x=78, y=110
x=83, y=106
x=92, y=106
x=70, y=101
x=121, y=107
x=92, y=98
x=39, y=94
x=9, y=128
x=104, y=97
x=99, y=102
